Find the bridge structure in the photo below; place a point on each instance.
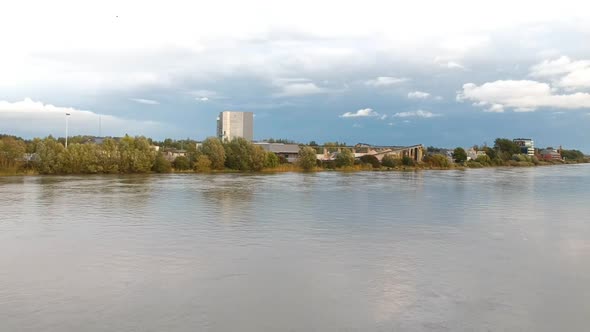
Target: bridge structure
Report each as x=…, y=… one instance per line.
x=415, y=152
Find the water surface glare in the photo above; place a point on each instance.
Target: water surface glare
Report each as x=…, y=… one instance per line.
x=476, y=250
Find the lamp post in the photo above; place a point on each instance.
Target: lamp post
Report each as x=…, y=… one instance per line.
x=67, y=117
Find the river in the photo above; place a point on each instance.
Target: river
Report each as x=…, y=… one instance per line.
x=504, y=249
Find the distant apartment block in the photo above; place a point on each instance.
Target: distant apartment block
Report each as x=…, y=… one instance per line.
x=232, y=125
x=527, y=146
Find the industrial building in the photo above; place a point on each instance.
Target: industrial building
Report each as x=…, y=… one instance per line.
x=232, y=125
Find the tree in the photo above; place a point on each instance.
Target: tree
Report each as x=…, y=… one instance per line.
x=48, y=156
x=214, y=150
x=505, y=148
x=572, y=155
x=271, y=161
x=407, y=161
x=484, y=160
x=389, y=161
x=437, y=160
x=459, y=155
x=181, y=163
x=345, y=158
x=12, y=151
x=203, y=164
x=307, y=158
x=257, y=157
x=372, y=160
x=161, y=164
x=238, y=154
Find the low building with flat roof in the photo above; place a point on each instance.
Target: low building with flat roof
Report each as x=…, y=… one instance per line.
x=288, y=151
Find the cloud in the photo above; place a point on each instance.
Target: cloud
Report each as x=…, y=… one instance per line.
x=446, y=63
x=564, y=72
x=523, y=95
x=495, y=108
x=416, y=114
x=34, y=118
x=365, y=112
x=382, y=81
x=145, y=101
x=454, y=65
x=418, y=95
x=297, y=87
x=202, y=99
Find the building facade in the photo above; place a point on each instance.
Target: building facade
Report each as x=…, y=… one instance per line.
x=232, y=125
x=288, y=151
x=527, y=146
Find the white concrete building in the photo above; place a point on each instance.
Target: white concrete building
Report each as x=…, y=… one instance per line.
x=527, y=145
x=231, y=125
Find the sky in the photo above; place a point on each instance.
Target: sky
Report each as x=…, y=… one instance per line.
x=441, y=73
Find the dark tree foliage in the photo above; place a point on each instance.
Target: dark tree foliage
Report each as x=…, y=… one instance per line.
x=372, y=160
x=459, y=155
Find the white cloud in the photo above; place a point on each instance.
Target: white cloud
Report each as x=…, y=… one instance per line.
x=34, y=118
x=522, y=95
x=418, y=95
x=454, y=65
x=202, y=99
x=145, y=101
x=495, y=108
x=564, y=72
x=383, y=117
x=416, y=114
x=297, y=87
x=446, y=63
x=385, y=81
x=365, y=112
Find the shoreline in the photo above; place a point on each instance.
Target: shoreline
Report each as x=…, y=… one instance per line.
x=295, y=169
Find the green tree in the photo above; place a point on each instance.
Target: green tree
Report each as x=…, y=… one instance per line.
x=505, y=148
x=238, y=154
x=272, y=160
x=572, y=155
x=370, y=159
x=12, y=151
x=344, y=158
x=161, y=164
x=484, y=160
x=437, y=160
x=203, y=164
x=307, y=158
x=257, y=157
x=389, y=161
x=407, y=161
x=48, y=153
x=181, y=163
x=459, y=155
x=215, y=152
x=108, y=156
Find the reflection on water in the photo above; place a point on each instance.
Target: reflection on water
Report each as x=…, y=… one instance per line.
x=490, y=249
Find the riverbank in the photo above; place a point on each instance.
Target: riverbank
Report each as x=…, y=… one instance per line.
x=292, y=168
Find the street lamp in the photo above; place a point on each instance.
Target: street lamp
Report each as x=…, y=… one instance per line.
x=67, y=117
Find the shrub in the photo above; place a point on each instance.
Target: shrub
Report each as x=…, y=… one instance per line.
x=271, y=161
x=372, y=160
x=407, y=161
x=181, y=163
x=307, y=158
x=484, y=160
x=390, y=161
x=345, y=158
x=161, y=164
x=473, y=164
x=203, y=164
x=437, y=160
